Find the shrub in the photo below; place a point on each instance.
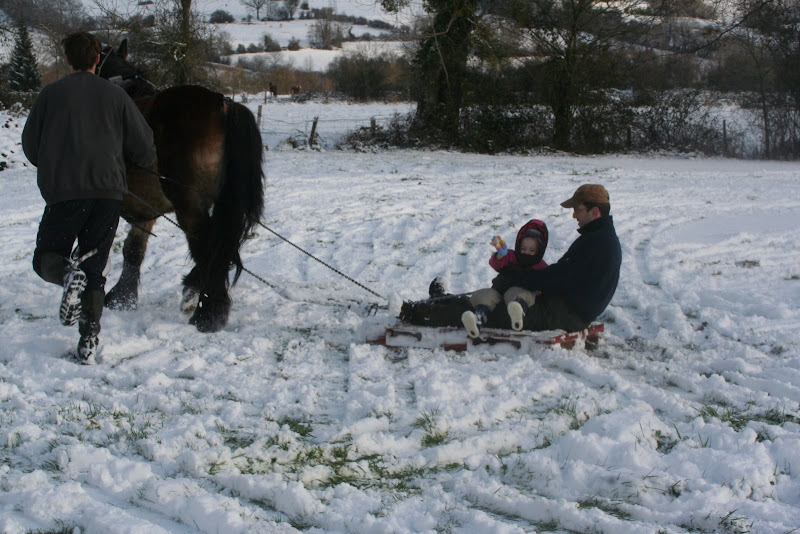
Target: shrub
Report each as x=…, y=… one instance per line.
x=220, y=16
x=492, y=129
x=394, y=134
x=365, y=76
x=602, y=125
x=678, y=120
x=294, y=44
x=270, y=44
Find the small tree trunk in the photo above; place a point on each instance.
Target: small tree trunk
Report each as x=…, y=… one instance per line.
x=184, y=63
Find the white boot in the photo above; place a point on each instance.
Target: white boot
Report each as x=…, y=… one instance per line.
x=470, y=321
x=516, y=313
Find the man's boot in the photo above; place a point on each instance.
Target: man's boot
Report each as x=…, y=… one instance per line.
x=89, y=325
x=74, y=285
x=64, y=272
x=439, y=287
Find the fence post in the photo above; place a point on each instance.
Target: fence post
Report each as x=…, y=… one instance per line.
x=724, y=137
x=372, y=126
x=259, y=116
x=313, y=132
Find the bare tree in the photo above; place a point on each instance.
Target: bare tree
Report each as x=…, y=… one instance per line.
x=171, y=42
x=573, y=40
x=291, y=7
x=256, y=5
x=325, y=33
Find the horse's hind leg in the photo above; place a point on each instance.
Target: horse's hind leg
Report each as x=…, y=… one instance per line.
x=205, y=288
x=125, y=294
x=213, y=302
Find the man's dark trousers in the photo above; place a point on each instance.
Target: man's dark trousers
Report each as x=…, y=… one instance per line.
x=93, y=222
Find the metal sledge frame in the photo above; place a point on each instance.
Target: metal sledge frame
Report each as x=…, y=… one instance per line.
x=450, y=338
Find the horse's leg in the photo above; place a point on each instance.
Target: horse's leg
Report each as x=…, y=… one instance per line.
x=205, y=288
x=125, y=294
x=237, y=209
x=212, y=152
x=213, y=303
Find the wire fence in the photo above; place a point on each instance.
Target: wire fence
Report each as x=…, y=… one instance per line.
x=276, y=131
x=327, y=125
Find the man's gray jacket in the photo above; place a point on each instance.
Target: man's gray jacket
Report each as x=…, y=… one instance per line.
x=80, y=133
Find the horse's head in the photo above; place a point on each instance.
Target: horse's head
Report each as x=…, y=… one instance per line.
x=114, y=67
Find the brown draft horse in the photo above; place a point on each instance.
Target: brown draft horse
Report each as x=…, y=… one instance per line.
x=209, y=172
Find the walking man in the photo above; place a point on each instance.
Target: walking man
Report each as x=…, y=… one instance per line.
x=81, y=132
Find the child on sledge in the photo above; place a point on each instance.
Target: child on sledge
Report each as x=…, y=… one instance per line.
x=527, y=254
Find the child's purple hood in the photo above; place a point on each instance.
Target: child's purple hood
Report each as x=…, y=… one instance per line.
x=534, y=228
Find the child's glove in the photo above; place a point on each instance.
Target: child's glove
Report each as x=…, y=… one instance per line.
x=500, y=245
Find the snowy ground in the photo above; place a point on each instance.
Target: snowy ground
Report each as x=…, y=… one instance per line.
x=686, y=420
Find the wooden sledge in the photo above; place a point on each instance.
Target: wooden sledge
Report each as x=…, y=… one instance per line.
x=401, y=335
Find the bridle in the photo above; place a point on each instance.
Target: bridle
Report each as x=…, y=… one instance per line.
x=126, y=80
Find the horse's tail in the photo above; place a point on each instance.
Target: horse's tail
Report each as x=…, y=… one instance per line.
x=240, y=201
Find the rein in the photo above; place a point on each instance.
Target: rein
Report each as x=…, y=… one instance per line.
x=159, y=214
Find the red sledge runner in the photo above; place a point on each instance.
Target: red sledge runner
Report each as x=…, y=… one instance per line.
x=401, y=335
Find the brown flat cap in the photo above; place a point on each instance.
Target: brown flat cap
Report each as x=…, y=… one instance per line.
x=594, y=193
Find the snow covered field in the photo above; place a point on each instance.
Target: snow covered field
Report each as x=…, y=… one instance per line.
x=686, y=420
x=313, y=60
x=369, y=9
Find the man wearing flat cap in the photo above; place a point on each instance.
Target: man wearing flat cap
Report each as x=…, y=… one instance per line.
x=577, y=288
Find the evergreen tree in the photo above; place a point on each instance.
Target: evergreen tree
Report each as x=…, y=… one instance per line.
x=23, y=74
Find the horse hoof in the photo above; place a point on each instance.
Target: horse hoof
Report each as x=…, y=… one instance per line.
x=211, y=315
x=207, y=323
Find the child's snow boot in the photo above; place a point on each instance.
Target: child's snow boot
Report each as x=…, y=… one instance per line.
x=472, y=321
x=516, y=311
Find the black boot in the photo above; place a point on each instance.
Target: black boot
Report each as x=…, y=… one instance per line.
x=438, y=287
x=89, y=325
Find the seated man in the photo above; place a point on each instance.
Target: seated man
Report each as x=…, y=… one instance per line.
x=577, y=288
x=574, y=290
